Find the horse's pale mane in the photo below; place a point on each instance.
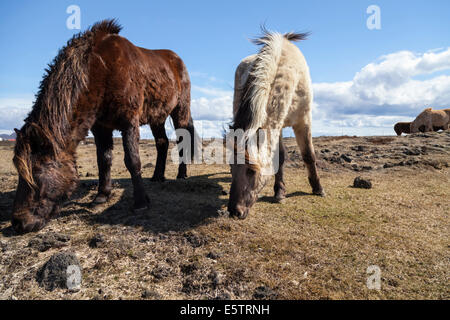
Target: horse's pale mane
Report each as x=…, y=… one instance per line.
x=251, y=113
x=65, y=78
x=291, y=36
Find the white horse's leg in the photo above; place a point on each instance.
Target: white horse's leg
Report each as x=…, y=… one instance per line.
x=279, y=187
x=302, y=132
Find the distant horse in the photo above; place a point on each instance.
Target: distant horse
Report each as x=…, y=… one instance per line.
x=402, y=127
x=272, y=91
x=100, y=82
x=430, y=119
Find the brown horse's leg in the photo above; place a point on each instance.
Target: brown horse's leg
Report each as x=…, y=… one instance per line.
x=104, y=142
x=304, y=140
x=162, y=145
x=182, y=120
x=130, y=139
x=279, y=187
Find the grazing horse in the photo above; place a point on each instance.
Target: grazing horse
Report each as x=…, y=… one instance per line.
x=100, y=82
x=272, y=91
x=405, y=127
x=402, y=127
x=430, y=119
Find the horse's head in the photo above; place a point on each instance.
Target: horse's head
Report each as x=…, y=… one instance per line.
x=245, y=186
x=398, y=129
x=46, y=177
x=247, y=181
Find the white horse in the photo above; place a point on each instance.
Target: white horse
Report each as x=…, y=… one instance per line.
x=272, y=90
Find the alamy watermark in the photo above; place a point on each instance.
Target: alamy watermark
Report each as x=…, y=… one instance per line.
x=374, y=279
x=374, y=20
x=73, y=282
x=73, y=22
x=238, y=147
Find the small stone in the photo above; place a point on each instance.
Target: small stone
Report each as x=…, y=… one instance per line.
x=362, y=183
x=295, y=283
x=189, y=268
x=97, y=241
x=62, y=270
x=214, y=255
x=150, y=294
x=264, y=293
x=190, y=286
x=216, y=279
x=222, y=296
x=223, y=213
x=346, y=158
x=161, y=272
x=3, y=246
x=195, y=240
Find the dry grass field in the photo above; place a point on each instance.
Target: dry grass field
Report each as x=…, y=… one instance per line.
x=308, y=247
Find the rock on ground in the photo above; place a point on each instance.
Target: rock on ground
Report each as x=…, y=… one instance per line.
x=55, y=272
x=362, y=183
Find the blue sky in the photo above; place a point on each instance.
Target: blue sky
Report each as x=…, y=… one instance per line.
x=364, y=80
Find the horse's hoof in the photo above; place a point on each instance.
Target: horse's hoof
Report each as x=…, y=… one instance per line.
x=158, y=179
x=144, y=206
x=100, y=199
x=182, y=177
x=280, y=199
x=319, y=193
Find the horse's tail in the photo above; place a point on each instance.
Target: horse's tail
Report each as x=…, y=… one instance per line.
x=259, y=83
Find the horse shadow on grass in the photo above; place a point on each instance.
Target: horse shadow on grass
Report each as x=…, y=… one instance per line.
x=271, y=199
x=6, y=202
x=175, y=205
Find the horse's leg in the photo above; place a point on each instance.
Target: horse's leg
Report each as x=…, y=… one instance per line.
x=304, y=140
x=162, y=145
x=279, y=187
x=130, y=139
x=104, y=142
x=182, y=120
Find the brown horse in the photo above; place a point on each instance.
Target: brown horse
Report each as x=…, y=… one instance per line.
x=100, y=82
x=402, y=127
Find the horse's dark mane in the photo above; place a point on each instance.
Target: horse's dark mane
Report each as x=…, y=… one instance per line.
x=110, y=26
x=65, y=78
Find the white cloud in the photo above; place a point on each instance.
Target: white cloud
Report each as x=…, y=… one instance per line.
x=13, y=111
x=219, y=108
x=385, y=91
